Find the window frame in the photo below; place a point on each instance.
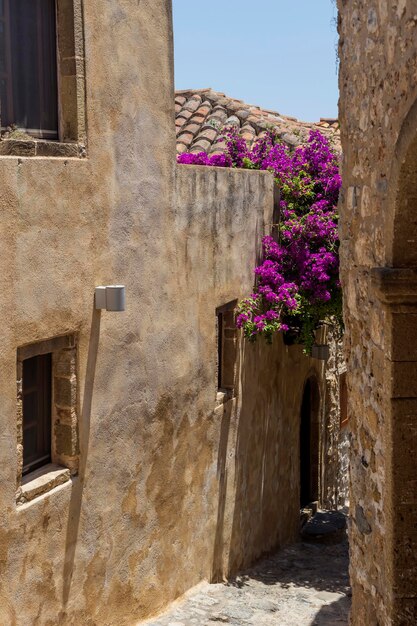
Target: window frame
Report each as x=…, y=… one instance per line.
x=71, y=139
x=226, y=347
x=64, y=407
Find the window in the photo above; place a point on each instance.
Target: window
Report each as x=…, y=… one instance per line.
x=28, y=67
x=47, y=414
x=226, y=346
x=42, y=78
x=36, y=394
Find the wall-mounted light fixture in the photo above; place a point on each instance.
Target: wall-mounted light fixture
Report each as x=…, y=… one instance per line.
x=111, y=297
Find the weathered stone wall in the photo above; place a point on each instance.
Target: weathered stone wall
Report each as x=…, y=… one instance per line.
x=342, y=499
x=335, y=489
x=378, y=55
x=172, y=487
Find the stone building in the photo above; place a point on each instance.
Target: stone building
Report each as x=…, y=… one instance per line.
x=378, y=113
x=145, y=450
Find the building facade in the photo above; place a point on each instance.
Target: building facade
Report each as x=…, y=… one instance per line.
x=145, y=450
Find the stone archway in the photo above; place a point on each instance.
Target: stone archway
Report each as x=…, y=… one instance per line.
x=309, y=443
x=396, y=289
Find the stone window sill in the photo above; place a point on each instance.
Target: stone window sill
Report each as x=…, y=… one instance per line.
x=41, y=481
x=41, y=148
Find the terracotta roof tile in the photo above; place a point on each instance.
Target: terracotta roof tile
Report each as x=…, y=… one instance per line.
x=186, y=138
x=185, y=114
x=181, y=148
x=201, y=145
x=192, y=128
x=208, y=133
x=202, y=114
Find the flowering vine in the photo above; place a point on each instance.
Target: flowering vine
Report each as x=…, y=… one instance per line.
x=297, y=284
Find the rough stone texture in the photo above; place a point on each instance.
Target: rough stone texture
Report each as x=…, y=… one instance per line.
x=342, y=477
x=378, y=114
x=65, y=410
x=304, y=585
x=335, y=490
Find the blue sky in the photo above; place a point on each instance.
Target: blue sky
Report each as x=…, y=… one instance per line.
x=278, y=54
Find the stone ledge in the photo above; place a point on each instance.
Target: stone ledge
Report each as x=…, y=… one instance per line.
x=41, y=481
x=47, y=345
x=41, y=148
x=395, y=285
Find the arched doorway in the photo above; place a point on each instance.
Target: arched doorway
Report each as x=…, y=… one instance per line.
x=309, y=443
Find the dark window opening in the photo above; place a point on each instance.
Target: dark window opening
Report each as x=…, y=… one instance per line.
x=37, y=391
x=226, y=346
x=28, y=67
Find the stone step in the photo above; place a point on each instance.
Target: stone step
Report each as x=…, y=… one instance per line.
x=325, y=527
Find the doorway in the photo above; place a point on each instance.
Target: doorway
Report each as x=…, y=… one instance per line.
x=309, y=443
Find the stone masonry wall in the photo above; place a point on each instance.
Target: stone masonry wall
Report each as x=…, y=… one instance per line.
x=378, y=55
x=335, y=490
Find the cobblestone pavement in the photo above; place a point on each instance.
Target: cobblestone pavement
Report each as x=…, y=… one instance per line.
x=303, y=585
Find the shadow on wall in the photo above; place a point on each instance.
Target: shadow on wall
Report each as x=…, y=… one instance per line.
x=78, y=485
x=217, y=574
x=258, y=507
x=256, y=524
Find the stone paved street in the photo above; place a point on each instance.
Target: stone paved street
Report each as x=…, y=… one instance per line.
x=303, y=585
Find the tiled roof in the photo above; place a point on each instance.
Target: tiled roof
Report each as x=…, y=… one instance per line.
x=202, y=114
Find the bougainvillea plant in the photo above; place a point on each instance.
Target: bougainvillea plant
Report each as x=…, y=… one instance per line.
x=297, y=284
